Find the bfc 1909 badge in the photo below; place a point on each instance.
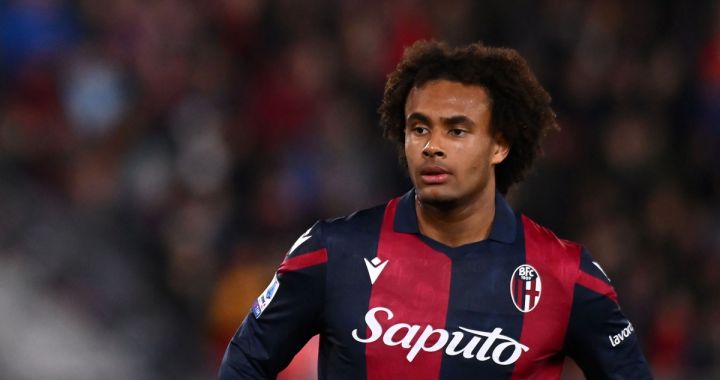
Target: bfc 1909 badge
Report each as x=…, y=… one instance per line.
x=525, y=288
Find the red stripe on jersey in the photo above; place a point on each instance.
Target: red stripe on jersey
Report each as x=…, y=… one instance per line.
x=304, y=261
x=519, y=290
x=415, y=286
x=597, y=286
x=543, y=332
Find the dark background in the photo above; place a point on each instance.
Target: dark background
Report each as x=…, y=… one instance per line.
x=157, y=159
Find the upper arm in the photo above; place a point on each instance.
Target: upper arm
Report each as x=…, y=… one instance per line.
x=284, y=316
x=600, y=339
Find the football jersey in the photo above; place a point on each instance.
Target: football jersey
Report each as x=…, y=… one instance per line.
x=391, y=303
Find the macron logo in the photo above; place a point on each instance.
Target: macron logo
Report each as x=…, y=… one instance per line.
x=375, y=267
x=300, y=240
x=601, y=270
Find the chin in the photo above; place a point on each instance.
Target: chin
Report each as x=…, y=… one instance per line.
x=436, y=198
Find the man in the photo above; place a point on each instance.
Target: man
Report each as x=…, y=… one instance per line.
x=445, y=282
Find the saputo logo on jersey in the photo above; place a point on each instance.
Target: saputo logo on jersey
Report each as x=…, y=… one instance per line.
x=502, y=349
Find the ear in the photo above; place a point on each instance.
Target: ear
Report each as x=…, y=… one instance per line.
x=500, y=149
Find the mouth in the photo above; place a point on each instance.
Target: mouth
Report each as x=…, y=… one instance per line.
x=434, y=175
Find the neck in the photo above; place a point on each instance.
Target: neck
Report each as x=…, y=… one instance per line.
x=458, y=224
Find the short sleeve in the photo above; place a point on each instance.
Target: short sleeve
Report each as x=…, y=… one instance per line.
x=284, y=316
x=601, y=340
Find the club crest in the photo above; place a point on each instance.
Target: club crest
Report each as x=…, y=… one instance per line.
x=525, y=288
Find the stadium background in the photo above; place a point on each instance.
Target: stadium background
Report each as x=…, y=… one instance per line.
x=157, y=159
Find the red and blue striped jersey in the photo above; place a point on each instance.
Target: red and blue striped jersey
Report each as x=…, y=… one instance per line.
x=390, y=303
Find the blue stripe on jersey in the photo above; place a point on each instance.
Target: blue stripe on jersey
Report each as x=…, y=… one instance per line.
x=353, y=239
x=480, y=300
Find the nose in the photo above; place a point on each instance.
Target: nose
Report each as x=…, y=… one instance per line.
x=432, y=149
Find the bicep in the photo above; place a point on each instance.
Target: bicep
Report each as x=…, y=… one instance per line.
x=266, y=341
x=283, y=317
x=601, y=340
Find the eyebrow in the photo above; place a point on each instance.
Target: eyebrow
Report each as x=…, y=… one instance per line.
x=458, y=119
x=452, y=120
x=419, y=117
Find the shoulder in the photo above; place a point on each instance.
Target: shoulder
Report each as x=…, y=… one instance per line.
x=551, y=255
x=365, y=221
x=361, y=224
x=540, y=237
x=566, y=257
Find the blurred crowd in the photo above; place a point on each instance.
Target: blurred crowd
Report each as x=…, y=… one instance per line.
x=158, y=158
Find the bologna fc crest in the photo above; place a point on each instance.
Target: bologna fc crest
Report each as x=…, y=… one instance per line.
x=525, y=288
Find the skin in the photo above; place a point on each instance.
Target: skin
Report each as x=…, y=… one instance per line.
x=451, y=155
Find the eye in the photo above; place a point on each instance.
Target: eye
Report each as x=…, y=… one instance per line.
x=457, y=132
x=419, y=130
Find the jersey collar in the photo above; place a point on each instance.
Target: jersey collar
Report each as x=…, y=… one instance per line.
x=503, y=226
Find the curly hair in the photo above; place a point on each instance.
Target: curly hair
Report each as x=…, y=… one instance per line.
x=521, y=111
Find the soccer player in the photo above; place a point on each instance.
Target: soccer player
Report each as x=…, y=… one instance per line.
x=445, y=281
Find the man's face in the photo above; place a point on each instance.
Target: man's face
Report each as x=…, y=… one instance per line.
x=450, y=151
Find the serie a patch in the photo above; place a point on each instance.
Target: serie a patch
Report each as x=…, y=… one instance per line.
x=262, y=302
